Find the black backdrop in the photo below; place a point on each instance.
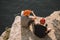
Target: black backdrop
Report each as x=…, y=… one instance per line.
x=10, y=8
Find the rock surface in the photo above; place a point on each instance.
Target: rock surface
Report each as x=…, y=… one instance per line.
x=19, y=33
x=15, y=33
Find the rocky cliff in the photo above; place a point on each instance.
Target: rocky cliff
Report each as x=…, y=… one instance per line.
x=19, y=33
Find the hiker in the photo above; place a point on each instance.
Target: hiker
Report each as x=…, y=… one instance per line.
x=40, y=30
x=25, y=20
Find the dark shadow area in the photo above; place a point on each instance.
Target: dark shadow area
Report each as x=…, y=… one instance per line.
x=5, y=21
x=26, y=34
x=34, y=37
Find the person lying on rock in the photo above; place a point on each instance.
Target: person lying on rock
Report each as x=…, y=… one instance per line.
x=40, y=30
x=25, y=20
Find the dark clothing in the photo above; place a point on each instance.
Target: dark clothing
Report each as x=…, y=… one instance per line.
x=40, y=30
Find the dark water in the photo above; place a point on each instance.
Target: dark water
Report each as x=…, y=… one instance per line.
x=10, y=8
